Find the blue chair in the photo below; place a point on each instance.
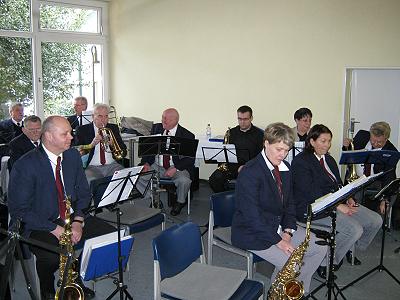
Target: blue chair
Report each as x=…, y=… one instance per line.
x=222, y=208
x=135, y=218
x=178, y=275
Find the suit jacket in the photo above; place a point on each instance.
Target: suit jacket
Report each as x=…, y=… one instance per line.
x=8, y=131
x=73, y=121
x=180, y=162
x=258, y=206
x=85, y=135
x=18, y=147
x=361, y=140
x=32, y=189
x=310, y=181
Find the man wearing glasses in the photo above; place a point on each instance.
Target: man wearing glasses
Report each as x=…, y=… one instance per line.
x=248, y=140
x=377, y=138
x=28, y=140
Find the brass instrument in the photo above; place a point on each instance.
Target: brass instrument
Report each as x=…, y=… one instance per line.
x=224, y=166
x=109, y=142
x=351, y=173
x=113, y=116
x=72, y=291
x=286, y=286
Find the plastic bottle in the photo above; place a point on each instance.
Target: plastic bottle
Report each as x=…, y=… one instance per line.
x=208, y=131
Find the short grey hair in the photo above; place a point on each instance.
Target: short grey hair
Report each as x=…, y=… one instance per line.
x=380, y=129
x=98, y=106
x=32, y=119
x=279, y=132
x=14, y=105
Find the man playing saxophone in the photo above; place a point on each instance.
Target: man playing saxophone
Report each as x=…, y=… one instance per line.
x=264, y=221
x=39, y=184
x=248, y=140
x=101, y=162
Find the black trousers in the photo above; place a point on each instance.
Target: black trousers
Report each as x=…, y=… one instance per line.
x=48, y=262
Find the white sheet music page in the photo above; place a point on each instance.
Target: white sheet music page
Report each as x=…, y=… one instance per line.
x=116, y=184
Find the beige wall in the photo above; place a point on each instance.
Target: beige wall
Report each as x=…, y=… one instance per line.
x=207, y=57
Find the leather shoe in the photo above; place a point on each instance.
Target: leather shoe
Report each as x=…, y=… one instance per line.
x=321, y=271
x=177, y=209
x=349, y=257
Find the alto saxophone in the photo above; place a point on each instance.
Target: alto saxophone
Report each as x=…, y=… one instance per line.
x=286, y=286
x=72, y=291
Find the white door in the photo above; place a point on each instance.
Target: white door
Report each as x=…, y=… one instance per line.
x=375, y=96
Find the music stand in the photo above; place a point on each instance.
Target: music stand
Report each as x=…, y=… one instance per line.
x=329, y=203
x=297, y=148
x=121, y=186
x=387, y=191
x=222, y=153
x=14, y=240
x=157, y=145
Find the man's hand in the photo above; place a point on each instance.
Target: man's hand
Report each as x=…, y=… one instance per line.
x=146, y=167
x=285, y=247
x=347, y=210
x=286, y=237
x=346, y=142
x=97, y=139
x=170, y=172
x=76, y=229
x=382, y=206
x=58, y=231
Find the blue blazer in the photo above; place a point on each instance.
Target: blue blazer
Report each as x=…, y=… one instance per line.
x=32, y=189
x=8, y=130
x=258, y=207
x=310, y=181
x=181, y=163
x=18, y=147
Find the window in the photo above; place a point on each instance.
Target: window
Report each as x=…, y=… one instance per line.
x=47, y=66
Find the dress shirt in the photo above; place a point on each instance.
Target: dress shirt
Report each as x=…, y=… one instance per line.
x=96, y=156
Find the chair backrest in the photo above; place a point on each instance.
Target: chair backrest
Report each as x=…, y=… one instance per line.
x=176, y=248
x=223, y=207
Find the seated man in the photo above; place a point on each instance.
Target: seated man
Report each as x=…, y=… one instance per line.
x=248, y=140
x=179, y=169
x=48, y=173
x=376, y=138
x=101, y=162
x=302, y=117
x=80, y=105
x=28, y=140
x=12, y=127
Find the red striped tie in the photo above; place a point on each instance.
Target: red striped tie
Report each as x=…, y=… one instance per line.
x=322, y=163
x=166, y=158
x=278, y=180
x=60, y=193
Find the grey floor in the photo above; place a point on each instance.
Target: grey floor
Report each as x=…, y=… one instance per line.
x=139, y=279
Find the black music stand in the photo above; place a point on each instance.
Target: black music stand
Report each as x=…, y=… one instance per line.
x=14, y=244
x=329, y=203
x=297, y=148
x=387, y=191
x=222, y=153
x=122, y=186
x=165, y=145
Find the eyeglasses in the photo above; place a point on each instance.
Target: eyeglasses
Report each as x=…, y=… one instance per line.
x=243, y=119
x=34, y=130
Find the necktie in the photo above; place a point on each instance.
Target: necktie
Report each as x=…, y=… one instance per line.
x=60, y=192
x=278, y=180
x=321, y=161
x=36, y=144
x=166, y=158
x=102, y=152
x=18, y=124
x=367, y=169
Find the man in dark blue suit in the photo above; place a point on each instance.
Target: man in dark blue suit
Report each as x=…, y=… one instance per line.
x=179, y=169
x=12, y=127
x=49, y=172
x=264, y=221
x=76, y=120
x=100, y=162
x=28, y=140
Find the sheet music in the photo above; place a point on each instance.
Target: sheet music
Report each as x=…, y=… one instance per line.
x=215, y=153
x=115, y=186
x=330, y=198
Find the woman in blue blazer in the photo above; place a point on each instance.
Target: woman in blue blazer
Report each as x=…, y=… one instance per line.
x=264, y=221
x=315, y=174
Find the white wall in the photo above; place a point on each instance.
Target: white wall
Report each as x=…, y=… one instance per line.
x=208, y=57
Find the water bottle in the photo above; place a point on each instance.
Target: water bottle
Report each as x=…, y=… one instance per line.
x=208, y=131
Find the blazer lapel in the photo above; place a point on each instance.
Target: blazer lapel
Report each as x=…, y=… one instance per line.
x=270, y=179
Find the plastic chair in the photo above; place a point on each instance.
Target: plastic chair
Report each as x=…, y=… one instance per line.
x=135, y=218
x=177, y=275
x=219, y=229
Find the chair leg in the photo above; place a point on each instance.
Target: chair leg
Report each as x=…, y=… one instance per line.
x=353, y=251
x=188, y=205
x=250, y=268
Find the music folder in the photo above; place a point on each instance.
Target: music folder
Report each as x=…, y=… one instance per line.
x=167, y=144
x=386, y=157
x=100, y=255
x=331, y=199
